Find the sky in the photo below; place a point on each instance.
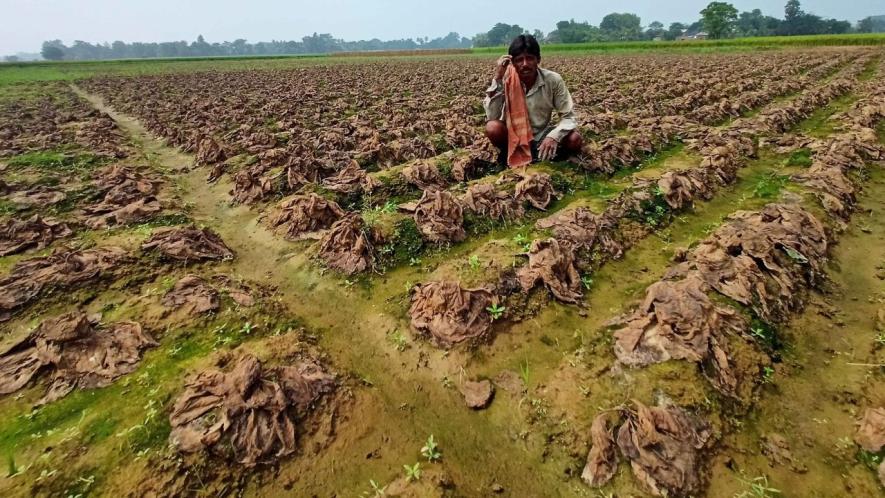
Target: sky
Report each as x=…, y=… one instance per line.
x=29, y=22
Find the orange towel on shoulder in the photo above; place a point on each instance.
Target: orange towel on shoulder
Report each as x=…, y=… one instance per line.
x=516, y=116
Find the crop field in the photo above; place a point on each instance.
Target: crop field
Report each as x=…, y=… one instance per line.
x=314, y=278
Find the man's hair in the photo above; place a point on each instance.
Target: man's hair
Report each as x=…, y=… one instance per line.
x=524, y=44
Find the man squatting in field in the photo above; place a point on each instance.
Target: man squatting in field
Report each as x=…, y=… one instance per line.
x=544, y=91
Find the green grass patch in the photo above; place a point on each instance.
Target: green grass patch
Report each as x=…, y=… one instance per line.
x=800, y=157
x=57, y=161
x=7, y=207
x=770, y=186
x=819, y=123
x=406, y=245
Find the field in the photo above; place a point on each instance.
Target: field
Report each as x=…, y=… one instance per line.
x=312, y=277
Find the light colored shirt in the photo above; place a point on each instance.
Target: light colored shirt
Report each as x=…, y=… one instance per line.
x=546, y=95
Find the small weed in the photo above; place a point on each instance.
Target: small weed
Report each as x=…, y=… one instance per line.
x=398, y=339
x=757, y=488
x=430, y=450
x=371, y=216
x=767, y=375
x=655, y=217
x=389, y=207
x=869, y=459
x=587, y=281
x=769, y=186
x=523, y=242
x=562, y=183
x=413, y=472
x=524, y=372
x=880, y=338
x=11, y=469
x=800, y=157
x=760, y=333
x=377, y=489
x=247, y=328
x=496, y=310
x=474, y=262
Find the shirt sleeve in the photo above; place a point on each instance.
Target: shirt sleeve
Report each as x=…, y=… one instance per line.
x=493, y=102
x=562, y=101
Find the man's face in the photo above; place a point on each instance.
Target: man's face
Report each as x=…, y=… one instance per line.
x=526, y=65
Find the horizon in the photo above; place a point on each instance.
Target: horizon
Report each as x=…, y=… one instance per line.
x=344, y=19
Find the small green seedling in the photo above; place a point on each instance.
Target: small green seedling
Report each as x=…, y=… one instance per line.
x=11, y=468
x=413, y=472
x=496, y=310
x=398, y=339
x=757, y=488
x=474, y=262
x=759, y=332
x=767, y=375
x=430, y=450
x=389, y=207
x=523, y=242
x=377, y=489
x=524, y=372
x=587, y=281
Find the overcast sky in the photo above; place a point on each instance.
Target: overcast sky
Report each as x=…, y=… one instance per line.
x=27, y=23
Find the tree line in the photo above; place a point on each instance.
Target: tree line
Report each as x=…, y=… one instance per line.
x=717, y=20
x=317, y=43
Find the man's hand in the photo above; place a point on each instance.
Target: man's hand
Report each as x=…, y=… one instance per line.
x=547, y=150
x=501, y=66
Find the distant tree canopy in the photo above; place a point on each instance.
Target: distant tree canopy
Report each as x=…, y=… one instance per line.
x=53, y=50
x=718, y=19
x=574, y=32
x=872, y=24
x=500, y=34
x=798, y=22
x=314, y=44
x=621, y=27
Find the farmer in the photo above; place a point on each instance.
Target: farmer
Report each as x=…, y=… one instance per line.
x=543, y=92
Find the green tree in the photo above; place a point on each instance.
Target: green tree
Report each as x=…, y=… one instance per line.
x=793, y=10
x=53, y=50
x=719, y=19
x=674, y=31
x=655, y=30
x=621, y=26
x=574, y=32
x=503, y=34
x=754, y=23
